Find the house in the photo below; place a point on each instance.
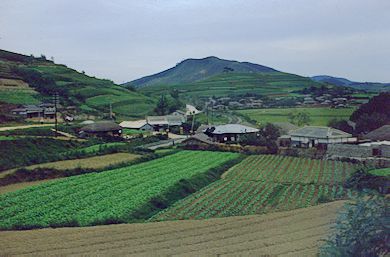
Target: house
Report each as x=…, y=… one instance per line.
x=101, y=128
x=164, y=122
x=191, y=110
x=313, y=136
x=379, y=134
x=372, y=153
x=142, y=125
x=42, y=111
x=229, y=132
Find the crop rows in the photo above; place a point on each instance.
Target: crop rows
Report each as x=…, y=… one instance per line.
x=110, y=196
x=261, y=184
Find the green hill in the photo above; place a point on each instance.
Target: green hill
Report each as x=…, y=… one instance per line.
x=368, y=86
x=192, y=70
x=211, y=76
x=265, y=83
x=28, y=80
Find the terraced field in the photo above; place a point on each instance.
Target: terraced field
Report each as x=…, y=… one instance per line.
x=115, y=196
x=319, y=116
x=265, y=183
x=292, y=233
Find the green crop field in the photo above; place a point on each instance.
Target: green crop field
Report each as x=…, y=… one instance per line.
x=264, y=183
x=380, y=172
x=108, y=197
x=319, y=116
x=264, y=83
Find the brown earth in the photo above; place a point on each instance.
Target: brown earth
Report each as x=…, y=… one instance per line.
x=292, y=233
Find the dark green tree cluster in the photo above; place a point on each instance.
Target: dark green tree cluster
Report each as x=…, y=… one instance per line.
x=267, y=136
x=373, y=114
x=341, y=125
x=299, y=119
x=166, y=105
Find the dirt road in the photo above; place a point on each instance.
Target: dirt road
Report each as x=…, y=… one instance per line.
x=293, y=233
x=25, y=126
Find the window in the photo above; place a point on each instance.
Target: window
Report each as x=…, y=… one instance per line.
x=376, y=152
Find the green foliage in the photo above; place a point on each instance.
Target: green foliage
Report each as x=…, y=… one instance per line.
x=361, y=229
x=27, y=151
x=114, y=196
x=299, y=119
x=341, y=125
x=373, y=114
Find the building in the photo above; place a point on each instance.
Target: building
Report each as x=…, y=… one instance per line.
x=142, y=125
x=101, y=128
x=42, y=111
x=373, y=153
x=164, y=122
x=313, y=136
x=228, y=132
x=379, y=134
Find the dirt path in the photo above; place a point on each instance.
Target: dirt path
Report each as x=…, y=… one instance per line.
x=292, y=233
x=26, y=126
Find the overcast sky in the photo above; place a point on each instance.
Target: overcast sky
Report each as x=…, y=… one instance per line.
x=123, y=40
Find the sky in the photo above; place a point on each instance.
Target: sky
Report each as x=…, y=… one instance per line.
x=123, y=40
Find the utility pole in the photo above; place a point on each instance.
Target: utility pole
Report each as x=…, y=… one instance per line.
x=56, y=98
x=110, y=111
x=193, y=120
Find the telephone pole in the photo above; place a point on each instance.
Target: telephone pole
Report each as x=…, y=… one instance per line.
x=56, y=99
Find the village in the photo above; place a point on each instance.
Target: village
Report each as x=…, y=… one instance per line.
x=180, y=129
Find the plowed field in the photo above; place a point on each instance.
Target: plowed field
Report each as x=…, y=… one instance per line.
x=290, y=233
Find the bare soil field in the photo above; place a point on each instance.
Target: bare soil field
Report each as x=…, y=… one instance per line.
x=290, y=233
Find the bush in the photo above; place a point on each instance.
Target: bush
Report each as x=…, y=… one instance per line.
x=361, y=230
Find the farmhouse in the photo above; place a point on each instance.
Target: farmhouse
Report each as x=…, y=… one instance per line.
x=376, y=153
x=44, y=111
x=164, y=122
x=142, y=125
x=229, y=132
x=380, y=134
x=312, y=136
x=101, y=128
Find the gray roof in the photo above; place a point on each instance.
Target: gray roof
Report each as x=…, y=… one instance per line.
x=232, y=129
x=101, y=126
x=171, y=120
x=285, y=127
x=379, y=134
x=319, y=132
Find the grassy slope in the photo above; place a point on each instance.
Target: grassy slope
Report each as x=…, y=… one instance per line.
x=90, y=94
x=319, y=116
x=266, y=83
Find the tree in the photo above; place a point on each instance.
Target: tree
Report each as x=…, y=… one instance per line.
x=373, y=114
x=162, y=106
x=368, y=122
x=341, y=125
x=299, y=119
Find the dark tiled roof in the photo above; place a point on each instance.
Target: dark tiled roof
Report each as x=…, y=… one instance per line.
x=319, y=132
x=382, y=133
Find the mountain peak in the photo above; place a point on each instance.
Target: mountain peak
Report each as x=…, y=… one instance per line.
x=193, y=70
